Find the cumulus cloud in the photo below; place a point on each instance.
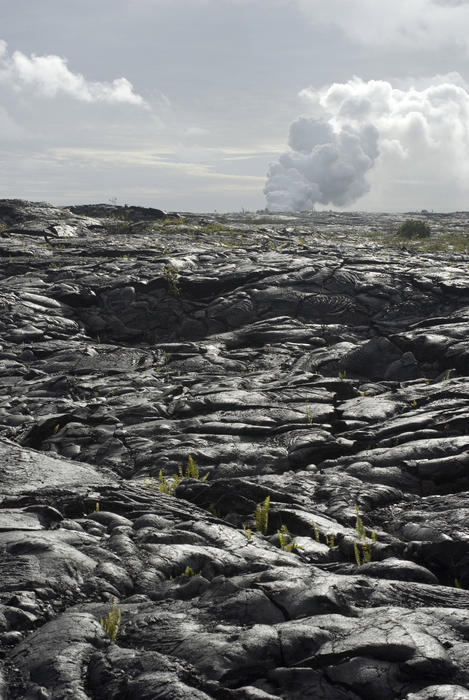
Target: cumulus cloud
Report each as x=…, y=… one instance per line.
x=49, y=76
x=413, y=135
x=409, y=23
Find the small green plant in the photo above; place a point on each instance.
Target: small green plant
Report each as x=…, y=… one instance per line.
x=168, y=487
x=187, y=573
x=214, y=227
x=287, y=543
x=247, y=532
x=56, y=428
x=262, y=516
x=363, y=556
x=414, y=403
x=343, y=375
x=309, y=414
x=191, y=468
x=96, y=507
x=366, y=552
x=170, y=274
x=457, y=583
x=359, y=527
x=316, y=531
x=330, y=541
x=170, y=484
x=283, y=537
x=413, y=228
x=170, y=221
x=191, y=471
x=150, y=484
x=112, y=623
x=357, y=553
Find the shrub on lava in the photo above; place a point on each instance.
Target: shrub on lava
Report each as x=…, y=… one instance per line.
x=412, y=228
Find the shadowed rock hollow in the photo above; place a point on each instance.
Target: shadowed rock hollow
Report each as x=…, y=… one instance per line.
x=160, y=378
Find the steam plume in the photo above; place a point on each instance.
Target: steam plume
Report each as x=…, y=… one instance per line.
x=414, y=137
x=322, y=166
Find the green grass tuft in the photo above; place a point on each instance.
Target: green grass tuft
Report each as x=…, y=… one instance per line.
x=262, y=516
x=112, y=623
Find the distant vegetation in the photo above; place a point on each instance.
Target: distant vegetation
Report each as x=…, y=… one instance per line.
x=412, y=228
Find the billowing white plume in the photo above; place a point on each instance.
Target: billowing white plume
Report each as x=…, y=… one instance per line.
x=417, y=135
x=322, y=166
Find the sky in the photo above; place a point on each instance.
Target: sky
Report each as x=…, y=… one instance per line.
x=231, y=105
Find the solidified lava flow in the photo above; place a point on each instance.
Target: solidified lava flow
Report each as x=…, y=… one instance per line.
x=234, y=456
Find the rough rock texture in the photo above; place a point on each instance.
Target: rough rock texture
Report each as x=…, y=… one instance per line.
x=290, y=358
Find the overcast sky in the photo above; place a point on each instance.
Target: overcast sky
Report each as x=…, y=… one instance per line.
x=189, y=104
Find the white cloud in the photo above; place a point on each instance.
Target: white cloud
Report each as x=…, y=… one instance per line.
x=416, y=24
x=422, y=140
x=49, y=76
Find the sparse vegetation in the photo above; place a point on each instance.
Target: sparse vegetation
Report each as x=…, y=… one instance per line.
x=149, y=483
x=330, y=540
x=261, y=516
x=365, y=555
x=287, y=543
x=170, y=273
x=118, y=225
x=247, y=532
x=414, y=228
x=213, y=227
x=168, y=485
x=171, y=221
x=112, y=623
x=191, y=471
x=362, y=549
x=187, y=573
